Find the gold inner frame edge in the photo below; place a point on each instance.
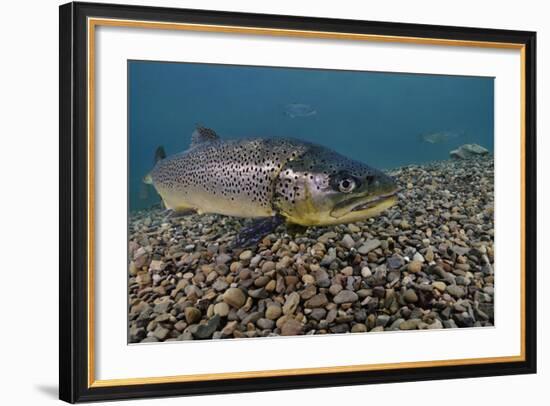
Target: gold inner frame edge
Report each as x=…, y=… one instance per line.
x=94, y=22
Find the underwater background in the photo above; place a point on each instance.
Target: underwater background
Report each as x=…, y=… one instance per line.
x=385, y=120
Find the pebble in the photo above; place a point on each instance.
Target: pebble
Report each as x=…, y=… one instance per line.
x=396, y=261
x=395, y=325
x=414, y=266
x=456, y=291
x=229, y=328
x=321, y=278
x=161, y=333
x=441, y=286
x=318, y=313
x=330, y=235
x=192, y=315
x=220, y=285
x=291, y=328
x=235, y=267
x=221, y=309
x=291, y=303
x=418, y=257
x=335, y=289
x=382, y=320
x=185, y=336
x=262, y=281
x=234, y=297
x=410, y=324
x=437, y=324
x=245, y=255
x=268, y=266
x=223, y=259
x=345, y=296
x=348, y=242
x=410, y=296
x=348, y=271
x=319, y=300
x=368, y=246
x=359, y=328
x=308, y=279
x=265, y=324
x=366, y=272
x=429, y=255
x=206, y=330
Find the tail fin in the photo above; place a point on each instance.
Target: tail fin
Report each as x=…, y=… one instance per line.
x=160, y=154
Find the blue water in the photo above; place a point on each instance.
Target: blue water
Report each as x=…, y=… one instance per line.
x=372, y=117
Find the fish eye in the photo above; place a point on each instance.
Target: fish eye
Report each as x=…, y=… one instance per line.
x=346, y=185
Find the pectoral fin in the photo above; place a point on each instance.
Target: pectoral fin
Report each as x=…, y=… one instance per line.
x=251, y=235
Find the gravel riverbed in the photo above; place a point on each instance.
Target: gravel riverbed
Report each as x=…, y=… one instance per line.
x=426, y=263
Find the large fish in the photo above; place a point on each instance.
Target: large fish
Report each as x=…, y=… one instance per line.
x=271, y=178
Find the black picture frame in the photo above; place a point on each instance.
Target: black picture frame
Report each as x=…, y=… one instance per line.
x=73, y=284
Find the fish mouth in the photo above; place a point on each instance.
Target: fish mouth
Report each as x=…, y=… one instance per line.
x=375, y=201
x=369, y=207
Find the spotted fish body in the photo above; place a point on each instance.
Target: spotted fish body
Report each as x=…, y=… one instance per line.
x=262, y=177
x=234, y=178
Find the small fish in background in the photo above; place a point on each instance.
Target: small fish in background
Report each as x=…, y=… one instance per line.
x=299, y=110
x=440, y=137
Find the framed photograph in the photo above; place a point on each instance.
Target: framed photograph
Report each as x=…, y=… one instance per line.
x=257, y=202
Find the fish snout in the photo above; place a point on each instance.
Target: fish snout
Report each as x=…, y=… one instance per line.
x=380, y=183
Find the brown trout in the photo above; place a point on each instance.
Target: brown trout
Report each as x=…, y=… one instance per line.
x=300, y=182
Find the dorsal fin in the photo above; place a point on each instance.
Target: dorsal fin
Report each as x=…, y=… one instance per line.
x=203, y=134
x=160, y=154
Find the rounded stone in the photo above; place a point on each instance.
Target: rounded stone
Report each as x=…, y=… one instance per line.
x=291, y=303
x=234, y=297
x=348, y=271
x=192, y=315
x=347, y=241
x=366, y=272
x=345, y=296
x=268, y=266
x=273, y=312
x=440, y=286
x=414, y=266
x=308, y=279
x=265, y=324
x=410, y=296
x=418, y=257
x=359, y=328
x=456, y=291
x=291, y=328
x=222, y=309
x=245, y=255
